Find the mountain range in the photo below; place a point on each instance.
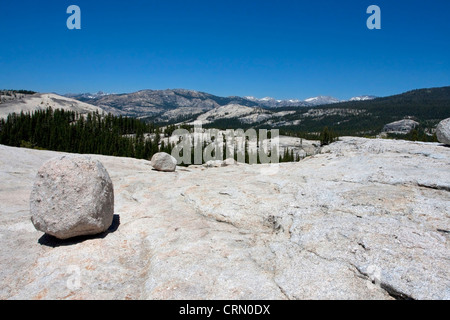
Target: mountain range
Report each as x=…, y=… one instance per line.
x=151, y=103
x=364, y=115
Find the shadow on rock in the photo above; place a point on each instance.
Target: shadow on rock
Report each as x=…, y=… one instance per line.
x=51, y=241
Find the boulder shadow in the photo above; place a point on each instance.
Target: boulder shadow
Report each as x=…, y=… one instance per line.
x=155, y=170
x=51, y=241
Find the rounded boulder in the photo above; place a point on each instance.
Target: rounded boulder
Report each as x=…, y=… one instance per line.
x=72, y=196
x=162, y=161
x=443, y=131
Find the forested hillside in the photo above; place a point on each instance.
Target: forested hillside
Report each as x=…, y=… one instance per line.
x=66, y=131
x=367, y=118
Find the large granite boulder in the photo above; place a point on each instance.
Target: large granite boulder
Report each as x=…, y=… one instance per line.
x=72, y=196
x=443, y=131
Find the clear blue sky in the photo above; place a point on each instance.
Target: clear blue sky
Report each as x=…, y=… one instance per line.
x=283, y=49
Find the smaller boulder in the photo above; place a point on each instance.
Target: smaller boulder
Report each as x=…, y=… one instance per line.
x=443, y=131
x=214, y=164
x=229, y=162
x=164, y=162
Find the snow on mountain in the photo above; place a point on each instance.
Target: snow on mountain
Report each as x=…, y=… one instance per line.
x=320, y=100
x=99, y=94
x=269, y=102
x=173, y=104
x=362, y=98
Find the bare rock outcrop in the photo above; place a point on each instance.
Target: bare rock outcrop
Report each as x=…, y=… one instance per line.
x=364, y=219
x=72, y=196
x=401, y=127
x=42, y=101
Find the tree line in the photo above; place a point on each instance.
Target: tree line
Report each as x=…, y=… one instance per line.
x=94, y=133
x=11, y=92
x=68, y=131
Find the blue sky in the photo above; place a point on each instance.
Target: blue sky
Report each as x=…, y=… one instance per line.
x=284, y=49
